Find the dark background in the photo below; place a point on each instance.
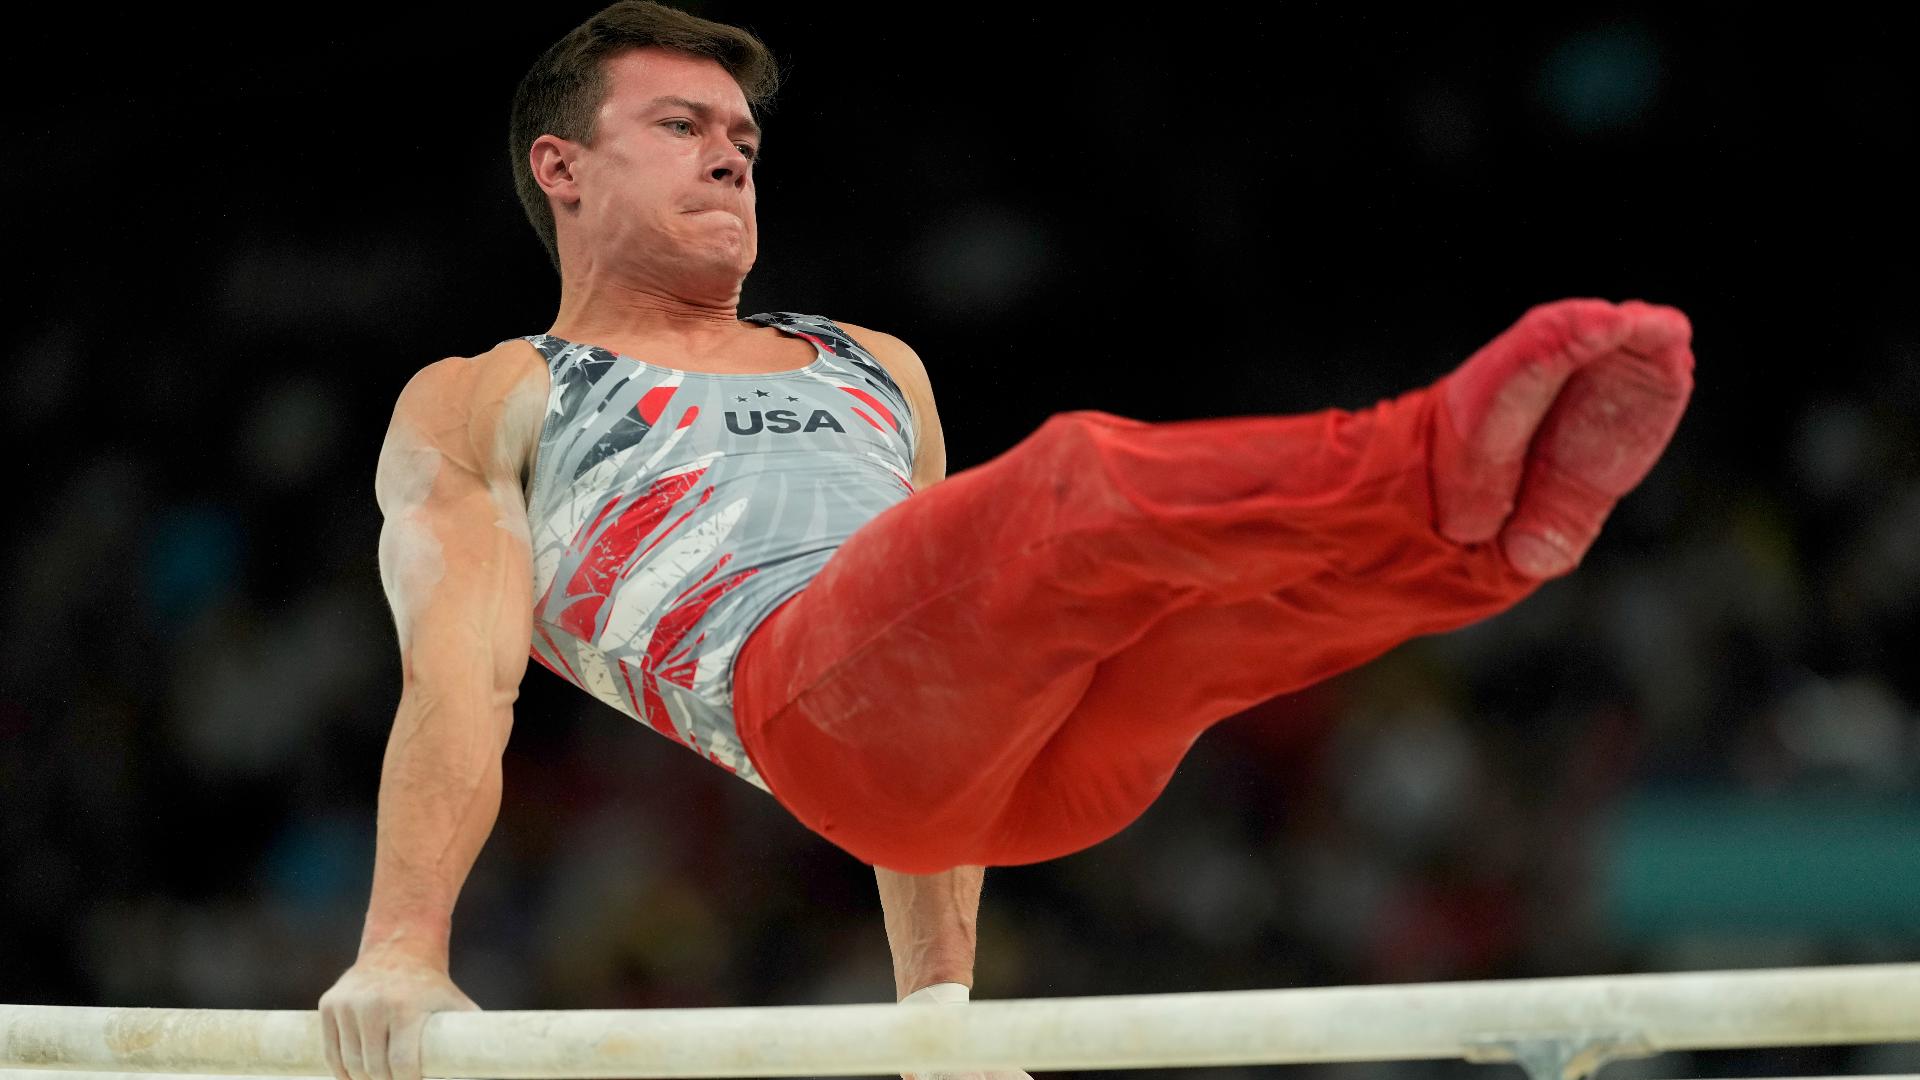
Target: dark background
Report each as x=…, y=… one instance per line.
x=233, y=241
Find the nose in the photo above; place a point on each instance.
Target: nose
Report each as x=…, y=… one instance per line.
x=732, y=167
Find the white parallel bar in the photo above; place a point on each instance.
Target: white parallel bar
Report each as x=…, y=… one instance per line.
x=78, y=1074
x=1869, y=1003
x=83, y=1075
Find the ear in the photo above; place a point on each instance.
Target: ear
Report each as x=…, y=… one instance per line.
x=552, y=159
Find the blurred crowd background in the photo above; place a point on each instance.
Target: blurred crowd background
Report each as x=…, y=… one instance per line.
x=233, y=242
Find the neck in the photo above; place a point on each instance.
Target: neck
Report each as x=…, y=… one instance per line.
x=623, y=314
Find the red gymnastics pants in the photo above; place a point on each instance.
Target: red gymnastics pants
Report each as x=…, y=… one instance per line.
x=1008, y=666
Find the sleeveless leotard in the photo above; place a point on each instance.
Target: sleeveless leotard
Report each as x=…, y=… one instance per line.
x=672, y=511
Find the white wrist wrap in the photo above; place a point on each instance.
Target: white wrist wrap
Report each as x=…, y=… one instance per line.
x=948, y=993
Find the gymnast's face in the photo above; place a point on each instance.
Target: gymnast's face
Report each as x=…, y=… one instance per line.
x=665, y=191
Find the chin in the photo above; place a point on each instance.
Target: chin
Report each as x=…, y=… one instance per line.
x=732, y=261
x=717, y=278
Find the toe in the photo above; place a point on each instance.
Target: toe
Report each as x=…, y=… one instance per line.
x=1614, y=418
x=1557, y=520
x=1495, y=402
x=1657, y=330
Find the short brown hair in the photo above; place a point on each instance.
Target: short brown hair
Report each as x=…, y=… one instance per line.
x=562, y=93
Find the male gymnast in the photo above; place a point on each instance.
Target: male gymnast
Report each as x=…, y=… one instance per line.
x=739, y=532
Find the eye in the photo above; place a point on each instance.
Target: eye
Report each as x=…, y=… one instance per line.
x=687, y=124
x=749, y=151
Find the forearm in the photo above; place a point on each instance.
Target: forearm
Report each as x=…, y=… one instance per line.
x=440, y=788
x=931, y=921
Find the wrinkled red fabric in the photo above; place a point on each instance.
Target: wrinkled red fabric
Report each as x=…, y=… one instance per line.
x=1008, y=666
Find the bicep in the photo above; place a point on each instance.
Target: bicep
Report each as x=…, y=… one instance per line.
x=455, y=559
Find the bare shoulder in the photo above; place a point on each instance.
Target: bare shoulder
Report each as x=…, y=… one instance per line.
x=482, y=413
x=901, y=362
x=899, y=359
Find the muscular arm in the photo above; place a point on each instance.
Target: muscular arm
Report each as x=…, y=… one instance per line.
x=930, y=918
x=457, y=567
x=930, y=922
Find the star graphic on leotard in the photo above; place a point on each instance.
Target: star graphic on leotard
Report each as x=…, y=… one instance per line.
x=761, y=393
x=790, y=397
x=739, y=399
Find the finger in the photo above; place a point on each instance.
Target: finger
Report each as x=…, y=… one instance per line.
x=373, y=1045
x=330, y=1045
x=1494, y=403
x=350, y=1057
x=403, y=1050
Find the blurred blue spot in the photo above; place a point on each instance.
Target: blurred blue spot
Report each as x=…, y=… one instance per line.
x=1689, y=862
x=193, y=558
x=317, y=863
x=1602, y=80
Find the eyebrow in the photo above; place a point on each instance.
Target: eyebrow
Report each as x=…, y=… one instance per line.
x=704, y=113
